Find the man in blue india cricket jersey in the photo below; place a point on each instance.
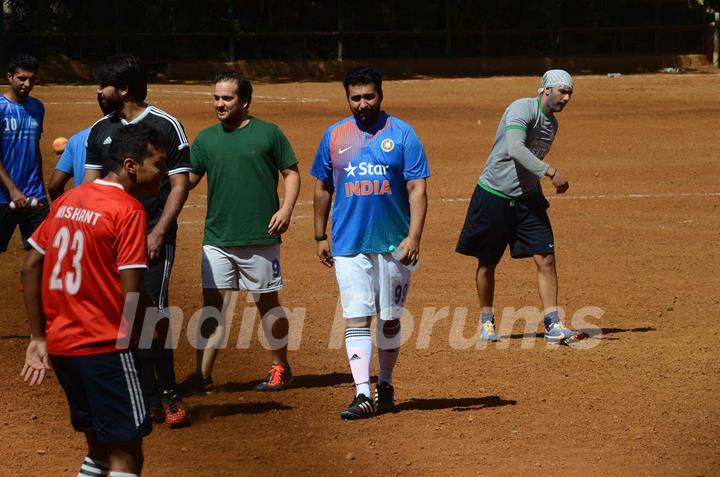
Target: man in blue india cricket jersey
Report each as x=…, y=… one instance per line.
x=375, y=167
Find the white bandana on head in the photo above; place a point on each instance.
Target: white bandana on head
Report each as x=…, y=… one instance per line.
x=556, y=79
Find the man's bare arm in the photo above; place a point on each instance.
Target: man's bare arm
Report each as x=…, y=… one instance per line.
x=173, y=206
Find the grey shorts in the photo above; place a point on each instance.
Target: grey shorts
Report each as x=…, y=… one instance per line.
x=254, y=268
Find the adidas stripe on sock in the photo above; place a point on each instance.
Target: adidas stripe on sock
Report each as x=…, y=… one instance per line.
x=92, y=467
x=358, y=345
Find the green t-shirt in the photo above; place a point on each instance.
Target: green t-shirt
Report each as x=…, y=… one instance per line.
x=242, y=171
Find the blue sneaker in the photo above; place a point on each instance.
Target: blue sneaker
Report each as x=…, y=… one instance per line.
x=487, y=331
x=556, y=333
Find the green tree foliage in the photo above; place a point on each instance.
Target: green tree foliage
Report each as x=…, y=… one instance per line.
x=185, y=29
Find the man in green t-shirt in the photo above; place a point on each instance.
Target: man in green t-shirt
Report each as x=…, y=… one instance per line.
x=242, y=156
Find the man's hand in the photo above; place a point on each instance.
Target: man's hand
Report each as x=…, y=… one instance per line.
x=18, y=198
x=279, y=222
x=324, y=254
x=560, y=182
x=411, y=246
x=155, y=241
x=36, y=362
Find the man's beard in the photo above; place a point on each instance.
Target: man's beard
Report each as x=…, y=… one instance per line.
x=108, y=105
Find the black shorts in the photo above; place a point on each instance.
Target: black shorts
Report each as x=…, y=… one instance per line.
x=103, y=391
x=27, y=218
x=493, y=222
x=156, y=281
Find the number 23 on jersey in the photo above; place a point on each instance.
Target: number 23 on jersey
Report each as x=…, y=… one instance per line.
x=69, y=281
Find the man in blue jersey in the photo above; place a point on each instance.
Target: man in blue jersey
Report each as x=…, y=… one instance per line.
x=71, y=164
x=508, y=206
x=22, y=194
x=376, y=168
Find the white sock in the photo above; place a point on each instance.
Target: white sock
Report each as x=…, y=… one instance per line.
x=388, y=349
x=92, y=467
x=115, y=473
x=358, y=345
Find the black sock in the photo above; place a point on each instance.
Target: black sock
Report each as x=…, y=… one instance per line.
x=165, y=367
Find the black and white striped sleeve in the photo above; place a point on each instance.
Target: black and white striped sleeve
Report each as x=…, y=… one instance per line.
x=178, y=149
x=93, y=157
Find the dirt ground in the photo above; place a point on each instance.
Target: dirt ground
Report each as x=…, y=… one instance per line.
x=637, y=248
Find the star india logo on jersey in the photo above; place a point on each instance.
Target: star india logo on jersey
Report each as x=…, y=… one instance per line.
x=367, y=187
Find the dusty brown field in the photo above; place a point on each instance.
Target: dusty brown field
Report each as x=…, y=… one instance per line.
x=637, y=237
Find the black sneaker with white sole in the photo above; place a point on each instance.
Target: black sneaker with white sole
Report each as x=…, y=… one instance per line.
x=361, y=408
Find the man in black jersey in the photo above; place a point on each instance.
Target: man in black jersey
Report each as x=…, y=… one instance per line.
x=122, y=89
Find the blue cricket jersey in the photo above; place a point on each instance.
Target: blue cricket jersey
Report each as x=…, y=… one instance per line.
x=72, y=160
x=369, y=168
x=21, y=129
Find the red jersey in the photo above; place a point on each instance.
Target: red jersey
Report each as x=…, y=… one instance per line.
x=91, y=233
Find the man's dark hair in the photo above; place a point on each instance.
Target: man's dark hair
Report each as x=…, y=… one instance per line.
x=123, y=71
x=23, y=61
x=133, y=141
x=363, y=75
x=244, y=88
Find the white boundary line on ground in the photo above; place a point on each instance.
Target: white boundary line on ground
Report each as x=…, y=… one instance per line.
x=566, y=197
x=607, y=196
x=195, y=222
x=65, y=103
x=262, y=98
x=638, y=196
x=256, y=97
x=595, y=197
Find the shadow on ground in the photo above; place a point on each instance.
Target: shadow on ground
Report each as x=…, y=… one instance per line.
x=208, y=411
x=598, y=333
x=306, y=381
x=456, y=404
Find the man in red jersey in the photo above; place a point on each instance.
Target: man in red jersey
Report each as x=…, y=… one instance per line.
x=87, y=260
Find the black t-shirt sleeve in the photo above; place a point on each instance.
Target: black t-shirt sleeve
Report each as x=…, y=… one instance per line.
x=93, y=158
x=178, y=149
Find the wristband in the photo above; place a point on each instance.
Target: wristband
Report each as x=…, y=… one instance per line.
x=320, y=238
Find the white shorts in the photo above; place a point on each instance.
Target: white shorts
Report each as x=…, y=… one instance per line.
x=255, y=268
x=372, y=284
